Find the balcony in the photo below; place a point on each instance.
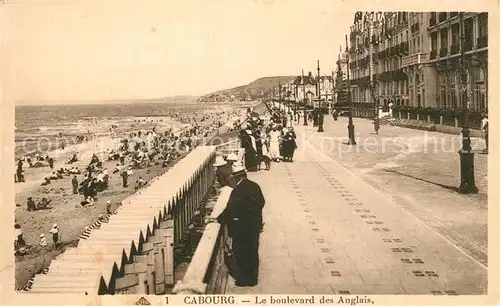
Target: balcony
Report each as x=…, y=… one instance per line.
x=414, y=59
x=432, y=20
x=443, y=51
x=414, y=27
x=455, y=48
x=442, y=17
x=482, y=42
x=433, y=54
x=468, y=45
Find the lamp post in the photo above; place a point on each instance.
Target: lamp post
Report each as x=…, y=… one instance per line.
x=467, y=182
x=350, y=127
x=279, y=96
x=320, y=112
x=304, y=97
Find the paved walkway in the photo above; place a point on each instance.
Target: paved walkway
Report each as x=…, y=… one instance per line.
x=327, y=231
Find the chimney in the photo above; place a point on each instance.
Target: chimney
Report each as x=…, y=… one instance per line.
x=310, y=74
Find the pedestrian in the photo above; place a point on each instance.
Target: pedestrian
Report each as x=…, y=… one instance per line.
x=43, y=241
x=485, y=128
x=124, y=176
x=274, y=143
x=50, y=160
x=55, y=234
x=243, y=217
x=289, y=145
x=335, y=114
x=74, y=183
x=108, y=207
x=20, y=175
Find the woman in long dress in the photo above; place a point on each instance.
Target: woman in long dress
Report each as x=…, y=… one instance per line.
x=250, y=153
x=274, y=144
x=289, y=146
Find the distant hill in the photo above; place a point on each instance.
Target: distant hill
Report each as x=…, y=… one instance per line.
x=257, y=89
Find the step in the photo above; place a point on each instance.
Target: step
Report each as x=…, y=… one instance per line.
x=89, y=291
x=64, y=278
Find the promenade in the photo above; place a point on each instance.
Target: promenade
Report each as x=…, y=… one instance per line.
x=328, y=231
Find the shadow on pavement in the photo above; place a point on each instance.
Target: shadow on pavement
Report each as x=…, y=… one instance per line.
x=452, y=188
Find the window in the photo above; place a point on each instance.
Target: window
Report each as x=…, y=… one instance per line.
x=483, y=25
x=455, y=34
x=434, y=41
x=444, y=38
x=453, y=95
x=442, y=91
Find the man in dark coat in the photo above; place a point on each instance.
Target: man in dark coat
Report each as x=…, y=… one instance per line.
x=243, y=217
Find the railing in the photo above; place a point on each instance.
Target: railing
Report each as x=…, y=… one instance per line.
x=414, y=59
x=207, y=272
x=135, y=246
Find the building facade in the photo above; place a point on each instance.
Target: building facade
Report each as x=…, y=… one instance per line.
x=412, y=59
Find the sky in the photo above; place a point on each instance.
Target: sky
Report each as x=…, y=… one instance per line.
x=93, y=50
x=116, y=49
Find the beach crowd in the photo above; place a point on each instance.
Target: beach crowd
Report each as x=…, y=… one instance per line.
x=139, y=149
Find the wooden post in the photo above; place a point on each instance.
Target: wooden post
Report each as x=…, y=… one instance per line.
x=441, y=119
x=143, y=281
x=169, y=256
x=428, y=118
x=418, y=116
x=159, y=254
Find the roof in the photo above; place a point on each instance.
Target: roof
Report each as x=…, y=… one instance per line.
x=311, y=80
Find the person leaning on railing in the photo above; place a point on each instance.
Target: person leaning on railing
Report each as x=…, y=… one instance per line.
x=243, y=218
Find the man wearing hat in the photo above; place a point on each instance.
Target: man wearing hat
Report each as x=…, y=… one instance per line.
x=243, y=217
x=231, y=159
x=223, y=172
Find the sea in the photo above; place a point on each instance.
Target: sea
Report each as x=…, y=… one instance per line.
x=34, y=122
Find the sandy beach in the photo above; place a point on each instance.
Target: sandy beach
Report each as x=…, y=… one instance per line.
x=66, y=212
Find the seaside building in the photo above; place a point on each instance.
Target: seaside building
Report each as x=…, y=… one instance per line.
x=412, y=59
x=305, y=88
